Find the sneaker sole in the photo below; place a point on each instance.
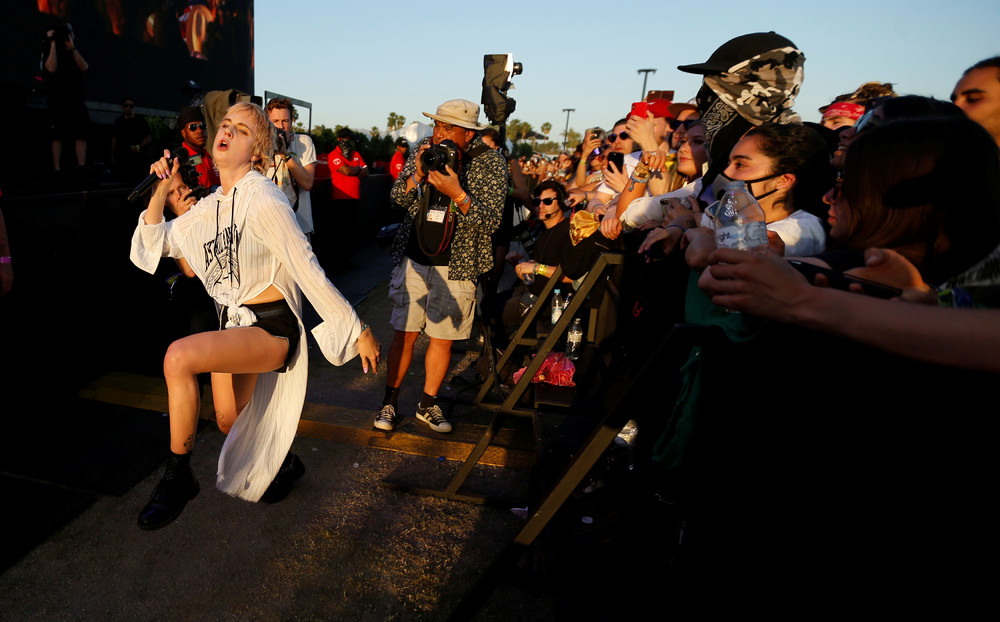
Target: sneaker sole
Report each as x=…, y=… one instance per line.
x=444, y=429
x=383, y=425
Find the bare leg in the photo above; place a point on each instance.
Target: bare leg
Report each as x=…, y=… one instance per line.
x=436, y=363
x=248, y=350
x=56, y=155
x=400, y=357
x=81, y=152
x=231, y=393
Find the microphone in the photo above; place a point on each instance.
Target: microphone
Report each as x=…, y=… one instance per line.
x=151, y=179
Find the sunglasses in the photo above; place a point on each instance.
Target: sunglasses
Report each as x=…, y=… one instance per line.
x=547, y=201
x=838, y=187
x=866, y=121
x=687, y=123
x=613, y=137
x=128, y=105
x=195, y=126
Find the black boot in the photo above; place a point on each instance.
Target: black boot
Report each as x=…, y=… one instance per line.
x=291, y=471
x=177, y=487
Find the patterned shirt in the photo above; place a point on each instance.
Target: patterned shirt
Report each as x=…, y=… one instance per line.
x=485, y=180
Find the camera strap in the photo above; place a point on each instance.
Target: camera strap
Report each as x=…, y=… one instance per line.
x=428, y=201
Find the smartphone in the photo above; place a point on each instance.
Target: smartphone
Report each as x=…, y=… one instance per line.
x=839, y=280
x=639, y=109
x=668, y=95
x=618, y=159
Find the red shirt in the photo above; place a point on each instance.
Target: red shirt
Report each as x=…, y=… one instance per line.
x=207, y=175
x=396, y=164
x=344, y=186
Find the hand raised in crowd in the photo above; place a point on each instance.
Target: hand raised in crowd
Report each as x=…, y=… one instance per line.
x=654, y=159
x=641, y=131
x=614, y=178
x=591, y=142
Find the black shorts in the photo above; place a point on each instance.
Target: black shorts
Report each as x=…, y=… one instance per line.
x=278, y=320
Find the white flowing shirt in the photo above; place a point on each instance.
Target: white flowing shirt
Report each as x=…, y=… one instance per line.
x=238, y=245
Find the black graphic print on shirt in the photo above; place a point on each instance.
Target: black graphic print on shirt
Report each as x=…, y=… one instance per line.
x=222, y=258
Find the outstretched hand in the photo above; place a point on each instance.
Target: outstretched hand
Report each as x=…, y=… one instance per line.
x=760, y=284
x=369, y=350
x=890, y=268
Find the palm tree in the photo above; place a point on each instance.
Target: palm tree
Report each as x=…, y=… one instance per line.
x=395, y=121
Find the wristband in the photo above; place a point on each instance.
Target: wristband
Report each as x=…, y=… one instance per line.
x=5, y=259
x=683, y=230
x=364, y=327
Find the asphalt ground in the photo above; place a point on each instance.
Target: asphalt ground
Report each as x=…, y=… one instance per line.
x=341, y=546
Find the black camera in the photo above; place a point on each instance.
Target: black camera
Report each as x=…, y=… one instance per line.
x=189, y=175
x=61, y=33
x=280, y=141
x=436, y=157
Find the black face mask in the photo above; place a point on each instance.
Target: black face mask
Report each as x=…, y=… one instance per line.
x=719, y=185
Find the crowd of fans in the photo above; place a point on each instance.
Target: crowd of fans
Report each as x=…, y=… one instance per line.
x=779, y=431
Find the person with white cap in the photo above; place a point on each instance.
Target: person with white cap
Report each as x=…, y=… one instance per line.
x=453, y=196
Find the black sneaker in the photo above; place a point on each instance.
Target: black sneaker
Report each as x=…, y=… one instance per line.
x=177, y=487
x=386, y=418
x=434, y=418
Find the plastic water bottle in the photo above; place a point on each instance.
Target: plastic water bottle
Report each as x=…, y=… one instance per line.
x=527, y=277
x=557, y=306
x=574, y=340
x=739, y=220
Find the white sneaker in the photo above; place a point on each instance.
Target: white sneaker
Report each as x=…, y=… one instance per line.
x=434, y=418
x=386, y=418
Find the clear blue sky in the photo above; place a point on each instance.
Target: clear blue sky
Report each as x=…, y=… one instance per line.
x=359, y=61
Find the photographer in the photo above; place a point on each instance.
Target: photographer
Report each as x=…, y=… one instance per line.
x=192, y=127
x=453, y=190
x=294, y=162
x=64, y=68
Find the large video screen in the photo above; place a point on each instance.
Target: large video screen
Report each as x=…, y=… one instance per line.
x=145, y=49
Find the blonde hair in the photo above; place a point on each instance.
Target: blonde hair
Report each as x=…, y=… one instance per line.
x=263, y=134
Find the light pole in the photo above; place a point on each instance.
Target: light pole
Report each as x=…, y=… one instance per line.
x=566, y=133
x=645, y=73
